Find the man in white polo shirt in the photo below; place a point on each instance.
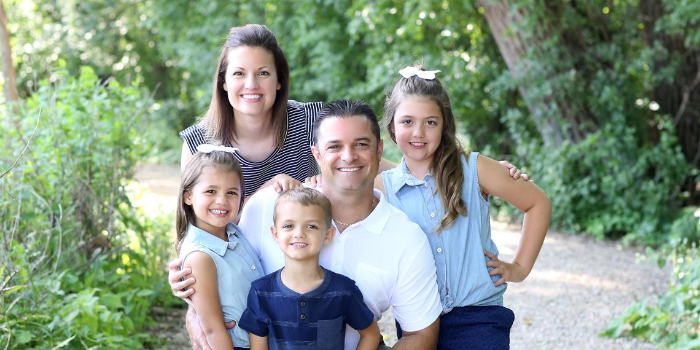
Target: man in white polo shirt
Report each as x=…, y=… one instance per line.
x=376, y=245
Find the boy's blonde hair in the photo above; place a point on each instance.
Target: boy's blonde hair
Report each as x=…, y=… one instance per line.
x=306, y=197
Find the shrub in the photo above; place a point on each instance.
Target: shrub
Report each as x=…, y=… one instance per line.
x=674, y=321
x=609, y=186
x=81, y=266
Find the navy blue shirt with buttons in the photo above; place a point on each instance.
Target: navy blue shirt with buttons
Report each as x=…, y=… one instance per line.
x=314, y=320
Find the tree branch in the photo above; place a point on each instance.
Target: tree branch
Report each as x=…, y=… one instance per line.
x=686, y=94
x=25, y=146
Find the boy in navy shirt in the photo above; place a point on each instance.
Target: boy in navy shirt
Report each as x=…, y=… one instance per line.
x=303, y=305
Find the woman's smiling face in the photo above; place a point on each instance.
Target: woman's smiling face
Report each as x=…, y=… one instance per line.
x=251, y=81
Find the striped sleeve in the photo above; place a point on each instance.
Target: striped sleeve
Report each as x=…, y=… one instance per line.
x=194, y=136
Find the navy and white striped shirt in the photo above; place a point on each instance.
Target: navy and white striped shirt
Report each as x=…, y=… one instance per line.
x=294, y=158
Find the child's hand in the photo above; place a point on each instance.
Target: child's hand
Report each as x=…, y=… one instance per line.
x=284, y=182
x=510, y=272
x=313, y=181
x=513, y=171
x=175, y=276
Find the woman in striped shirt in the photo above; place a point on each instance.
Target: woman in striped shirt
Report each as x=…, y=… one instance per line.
x=250, y=110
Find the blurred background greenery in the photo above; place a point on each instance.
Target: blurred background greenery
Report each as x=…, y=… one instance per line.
x=598, y=100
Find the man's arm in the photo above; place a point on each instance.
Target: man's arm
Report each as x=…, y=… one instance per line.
x=416, y=300
x=194, y=330
x=425, y=338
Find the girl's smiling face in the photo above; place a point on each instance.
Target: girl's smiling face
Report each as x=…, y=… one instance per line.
x=418, y=125
x=215, y=199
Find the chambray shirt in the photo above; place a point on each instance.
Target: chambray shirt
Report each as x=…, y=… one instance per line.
x=463, y=278
x=237, y=267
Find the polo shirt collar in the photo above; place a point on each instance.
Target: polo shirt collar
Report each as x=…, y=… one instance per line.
x=212, y=242
x=402, y=177
x=377, y=219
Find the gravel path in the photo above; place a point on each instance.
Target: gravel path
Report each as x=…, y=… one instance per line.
x=578, y=284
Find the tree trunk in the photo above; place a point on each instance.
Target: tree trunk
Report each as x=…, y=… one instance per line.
x=513, y=49
x=8, y=69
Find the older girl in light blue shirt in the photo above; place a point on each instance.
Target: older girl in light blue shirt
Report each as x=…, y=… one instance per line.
x=445, y=189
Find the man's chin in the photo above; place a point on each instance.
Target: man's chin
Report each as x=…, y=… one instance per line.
x=353, y=187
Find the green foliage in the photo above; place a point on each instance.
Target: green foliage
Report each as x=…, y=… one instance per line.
x=81, y=267
x=591, y=117
x=609, y=186
x=674, y=320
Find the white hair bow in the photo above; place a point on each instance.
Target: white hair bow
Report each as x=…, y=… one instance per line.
x=207, y=148
x=423, y=74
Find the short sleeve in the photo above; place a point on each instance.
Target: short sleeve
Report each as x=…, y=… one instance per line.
x=194, y=136
x=416, y=300
x=252, y=320
x=308, y=111
x=358, y=315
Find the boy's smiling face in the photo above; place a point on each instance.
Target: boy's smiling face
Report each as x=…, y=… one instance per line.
x=301, y=230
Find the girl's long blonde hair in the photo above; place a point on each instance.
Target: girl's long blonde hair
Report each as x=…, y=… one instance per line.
x=185, y=214
x=447, y=163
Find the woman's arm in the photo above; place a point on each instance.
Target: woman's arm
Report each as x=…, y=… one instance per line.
x=206, y=300
x=369, y=337
x=531, y=200
x=281, y=183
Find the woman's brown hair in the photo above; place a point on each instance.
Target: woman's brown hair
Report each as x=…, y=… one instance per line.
x=219, y=118
x=447, y=163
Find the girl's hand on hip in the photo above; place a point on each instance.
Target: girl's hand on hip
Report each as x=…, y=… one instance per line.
x=510, y=272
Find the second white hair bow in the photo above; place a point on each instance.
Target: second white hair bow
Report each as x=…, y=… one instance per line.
x=424, y=74
x=207, y=148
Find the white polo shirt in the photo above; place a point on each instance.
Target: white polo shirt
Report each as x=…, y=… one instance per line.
x=386, y=254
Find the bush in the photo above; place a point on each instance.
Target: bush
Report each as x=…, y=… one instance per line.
x=609, y=186
x=81, y=266
x=674, y=322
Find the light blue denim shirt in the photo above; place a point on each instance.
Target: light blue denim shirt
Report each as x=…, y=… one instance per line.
x=463, y=278
x=237, y=267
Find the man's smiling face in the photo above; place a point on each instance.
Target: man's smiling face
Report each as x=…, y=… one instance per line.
x=348, y=153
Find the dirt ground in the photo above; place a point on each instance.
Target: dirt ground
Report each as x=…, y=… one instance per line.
x=578, y=284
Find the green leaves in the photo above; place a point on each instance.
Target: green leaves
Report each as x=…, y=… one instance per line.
x=674, y=320
x=68, y=277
